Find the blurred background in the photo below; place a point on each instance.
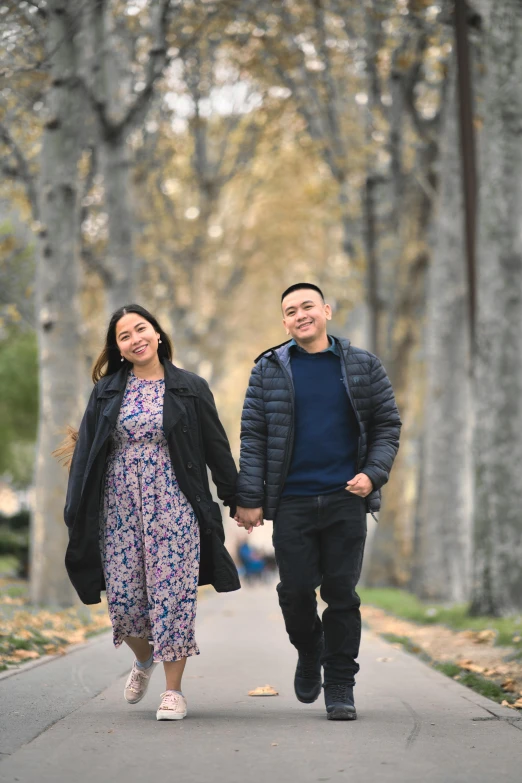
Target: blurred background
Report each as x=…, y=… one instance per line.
x=199, y=156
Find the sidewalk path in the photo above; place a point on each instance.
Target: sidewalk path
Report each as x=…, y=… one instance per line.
x=67, y=721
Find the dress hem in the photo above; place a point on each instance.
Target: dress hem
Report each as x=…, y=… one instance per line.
x=184, y=652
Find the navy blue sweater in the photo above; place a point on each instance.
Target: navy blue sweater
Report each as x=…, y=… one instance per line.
x=326, y=431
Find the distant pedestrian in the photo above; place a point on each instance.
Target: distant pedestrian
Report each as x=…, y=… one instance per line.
x=319, y=433
x=141, y=518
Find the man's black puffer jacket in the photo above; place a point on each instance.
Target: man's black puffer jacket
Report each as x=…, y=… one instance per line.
x=268, y=420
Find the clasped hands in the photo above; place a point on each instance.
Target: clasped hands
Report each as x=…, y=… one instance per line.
x=249, y=518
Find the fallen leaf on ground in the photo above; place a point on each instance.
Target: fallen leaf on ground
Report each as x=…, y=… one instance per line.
x=50, y=632
x=263, y=690
x=509, y=685
x=471, y=667
x=443, y=645
x=487, y=636
x=518, y=704
x=505, y=703
x=24, y=634
x=24, y=655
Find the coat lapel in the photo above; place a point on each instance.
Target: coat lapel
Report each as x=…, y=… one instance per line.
x=173, y=409
x=113, y=392
x=175, y=385
x=110, y=397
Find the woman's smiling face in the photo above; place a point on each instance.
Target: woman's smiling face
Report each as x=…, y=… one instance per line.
x=136, y=338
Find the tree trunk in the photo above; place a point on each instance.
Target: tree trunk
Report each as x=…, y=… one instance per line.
x=56, y=310
x=372, y=265
x=497, y=576
x=391, y=554
x=442, y=556
x=120, y=263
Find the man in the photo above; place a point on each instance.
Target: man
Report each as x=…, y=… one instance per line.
x=319, y=433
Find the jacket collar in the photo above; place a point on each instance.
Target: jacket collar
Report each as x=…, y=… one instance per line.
x=118, y=381
x=343, y=344
x=283, y=350
x=113, y=389
x=175, y=378
x=113, y=384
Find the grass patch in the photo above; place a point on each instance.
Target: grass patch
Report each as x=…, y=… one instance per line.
x=449, y=669
x=8, y=565
x=19, y=644
x=409, y=607
x=485, y=687
x=28, y=632
x=406, y=643
x=394, y=639
x=16, y=591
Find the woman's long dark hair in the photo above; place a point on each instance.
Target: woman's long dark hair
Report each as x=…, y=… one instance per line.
x=109, y=361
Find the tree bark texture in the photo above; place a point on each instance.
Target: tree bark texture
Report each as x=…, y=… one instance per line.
x=120, y=261
x=107, y=74
x=391, y=554
x=120, y=104
x=442, y=556
x=497, y=575
x=57, y=313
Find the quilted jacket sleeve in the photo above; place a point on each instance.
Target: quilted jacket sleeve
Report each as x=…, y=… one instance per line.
x=252, y=460
x=79, y=460
x=218, y=456
x=385, y=427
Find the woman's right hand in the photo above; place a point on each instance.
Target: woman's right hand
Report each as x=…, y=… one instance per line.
x=249, y=518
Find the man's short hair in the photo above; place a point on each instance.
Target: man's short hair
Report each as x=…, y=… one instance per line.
x=298, y=286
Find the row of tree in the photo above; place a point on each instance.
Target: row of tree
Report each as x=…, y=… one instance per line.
x=202, y=155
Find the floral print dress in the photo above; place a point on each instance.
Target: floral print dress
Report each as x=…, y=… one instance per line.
x=149, y=535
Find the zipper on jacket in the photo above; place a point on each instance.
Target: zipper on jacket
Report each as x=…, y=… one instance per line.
x=350, y=397
x=288, y=454
x=357, y=463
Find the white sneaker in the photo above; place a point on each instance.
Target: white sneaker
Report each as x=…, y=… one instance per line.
x=173, y=706
x=137, y=683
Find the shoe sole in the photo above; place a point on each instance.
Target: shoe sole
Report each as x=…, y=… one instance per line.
x=169, y=715
x=310, y=700
x=135, y=701
x=341, y=713
x=132, y=701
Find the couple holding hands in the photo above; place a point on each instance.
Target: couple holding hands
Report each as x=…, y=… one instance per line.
x=319, y=433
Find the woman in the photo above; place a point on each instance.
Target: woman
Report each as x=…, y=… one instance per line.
x=142, y=522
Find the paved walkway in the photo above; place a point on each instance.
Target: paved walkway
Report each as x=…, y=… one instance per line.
x=66, y=720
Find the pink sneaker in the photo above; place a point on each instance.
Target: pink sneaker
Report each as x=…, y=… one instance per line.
x=173, y=706
x=137, y=683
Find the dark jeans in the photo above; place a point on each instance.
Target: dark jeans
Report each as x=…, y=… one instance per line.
x=319, y=541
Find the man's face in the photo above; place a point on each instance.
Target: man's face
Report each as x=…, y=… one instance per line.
x=305, y=315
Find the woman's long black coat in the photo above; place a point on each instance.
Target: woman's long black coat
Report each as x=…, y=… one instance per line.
x=195, y=439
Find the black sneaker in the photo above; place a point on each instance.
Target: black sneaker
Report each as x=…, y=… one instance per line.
x=307, y=680
x=339, y=702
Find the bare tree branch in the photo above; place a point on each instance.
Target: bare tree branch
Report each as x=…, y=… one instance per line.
x=21, y=171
